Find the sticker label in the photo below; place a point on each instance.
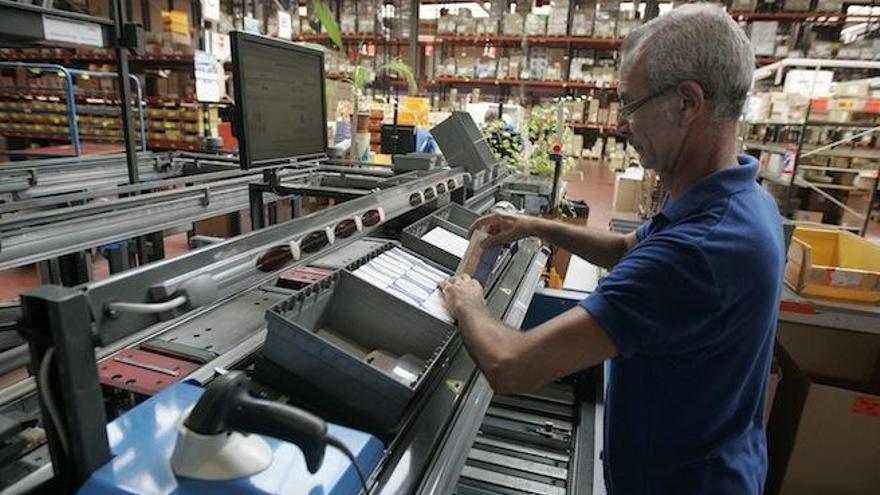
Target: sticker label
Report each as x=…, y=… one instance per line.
x=72, y=31
x=845, y=278
x=866, y=405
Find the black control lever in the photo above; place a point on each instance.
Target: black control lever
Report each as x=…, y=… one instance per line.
x=228, y=406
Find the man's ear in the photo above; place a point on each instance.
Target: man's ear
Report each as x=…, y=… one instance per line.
x=693, y=100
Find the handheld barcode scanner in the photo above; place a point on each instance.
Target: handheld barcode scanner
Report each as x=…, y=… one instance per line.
x=213, y=440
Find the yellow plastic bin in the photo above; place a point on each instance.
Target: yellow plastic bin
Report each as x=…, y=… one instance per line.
x=833, y=264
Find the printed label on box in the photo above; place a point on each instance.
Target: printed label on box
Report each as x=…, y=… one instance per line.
x=211, y=10
x=285, y=26
x=71, y=31
x=207, y=75
x=843, y=278
x=866, y=406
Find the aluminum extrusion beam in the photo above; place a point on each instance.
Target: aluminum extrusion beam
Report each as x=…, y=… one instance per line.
x=232, y=263
x=142, y=187
x=28, y=240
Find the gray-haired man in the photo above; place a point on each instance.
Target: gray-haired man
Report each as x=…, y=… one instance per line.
x=687, y=314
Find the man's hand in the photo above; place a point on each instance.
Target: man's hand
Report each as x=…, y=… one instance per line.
x=462, y=293
x=504, y=228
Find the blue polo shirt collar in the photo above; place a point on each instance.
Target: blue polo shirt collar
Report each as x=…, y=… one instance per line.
x=722, y=183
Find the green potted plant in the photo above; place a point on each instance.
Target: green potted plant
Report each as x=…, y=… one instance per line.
x=361, y=76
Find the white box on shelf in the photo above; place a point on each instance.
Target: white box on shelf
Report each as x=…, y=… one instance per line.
x=536, y=25
x=582, y=24
x=513, y=24
x=763, y=37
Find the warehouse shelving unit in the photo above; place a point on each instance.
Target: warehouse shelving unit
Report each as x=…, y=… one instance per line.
x=846, y=145
x=384, y=40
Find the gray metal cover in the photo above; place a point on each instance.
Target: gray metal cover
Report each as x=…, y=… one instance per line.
x=368, y=316
x=462, y=143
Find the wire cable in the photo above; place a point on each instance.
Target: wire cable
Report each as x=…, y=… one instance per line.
x=335, y=442
x=46, y=395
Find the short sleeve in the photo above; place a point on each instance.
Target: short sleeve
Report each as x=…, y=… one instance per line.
x=658, y=299
x=643, y=229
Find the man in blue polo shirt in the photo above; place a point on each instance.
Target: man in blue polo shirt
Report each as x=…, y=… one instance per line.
x=687, y=313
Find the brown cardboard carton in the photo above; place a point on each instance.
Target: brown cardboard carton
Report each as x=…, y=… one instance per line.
x=822, y=439
x=841, y=357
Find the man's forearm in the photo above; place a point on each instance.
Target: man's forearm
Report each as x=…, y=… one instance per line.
x=599, y=247
x=492, y=344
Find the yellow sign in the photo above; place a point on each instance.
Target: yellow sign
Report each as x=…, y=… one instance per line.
x=175, y=21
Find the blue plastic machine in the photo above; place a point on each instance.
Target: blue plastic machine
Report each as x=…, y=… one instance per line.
x=142, y=441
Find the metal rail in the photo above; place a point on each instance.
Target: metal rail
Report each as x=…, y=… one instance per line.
x=51, y=234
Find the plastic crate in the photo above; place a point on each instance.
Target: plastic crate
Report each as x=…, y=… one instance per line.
x=833, y=264
x=327, y=339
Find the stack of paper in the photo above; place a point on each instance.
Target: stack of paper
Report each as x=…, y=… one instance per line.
x=447, y=241
x=409, y=278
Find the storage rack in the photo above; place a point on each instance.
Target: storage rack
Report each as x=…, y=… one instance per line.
x=68, y=116
x=386, y=39
x=835, y=192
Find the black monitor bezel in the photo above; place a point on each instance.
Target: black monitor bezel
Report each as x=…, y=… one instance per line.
x=237, y=38
x=390, y=128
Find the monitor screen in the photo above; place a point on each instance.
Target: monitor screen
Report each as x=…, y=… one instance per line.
x=279, y=99
x=398, y=140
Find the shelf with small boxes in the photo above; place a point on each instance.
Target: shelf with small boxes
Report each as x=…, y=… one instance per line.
x=70, y=57
x=808, y=28
x=819, y=156
x=822, y=17
x=33, y=107
x=530, y=83
x=501, y=39
x=569, y=46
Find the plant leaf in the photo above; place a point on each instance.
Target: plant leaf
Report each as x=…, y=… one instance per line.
x=328, y=21
x=360, y=77
x=402, y=69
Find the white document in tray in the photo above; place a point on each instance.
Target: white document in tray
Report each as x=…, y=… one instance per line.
x=447, y=241
x=408, y=278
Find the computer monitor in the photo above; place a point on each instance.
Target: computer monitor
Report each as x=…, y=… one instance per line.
x=398, y=140
x=279, y=99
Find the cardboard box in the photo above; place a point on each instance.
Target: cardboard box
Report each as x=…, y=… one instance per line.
x=808, y=216
x=822, y=439
x=837, y=356
x=582, y=24
x=513, y=24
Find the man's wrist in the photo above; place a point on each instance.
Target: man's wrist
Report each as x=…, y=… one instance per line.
x=471, y=309
x=539, y=227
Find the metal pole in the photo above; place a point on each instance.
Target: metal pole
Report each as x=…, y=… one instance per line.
x=554, y=191
x=119, y=18
x=872, y=196
x=789, y=211
x=414, y=38
x=72, y=124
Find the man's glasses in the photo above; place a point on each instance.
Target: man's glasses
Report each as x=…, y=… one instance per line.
x=627, y=110
x=279, y=256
